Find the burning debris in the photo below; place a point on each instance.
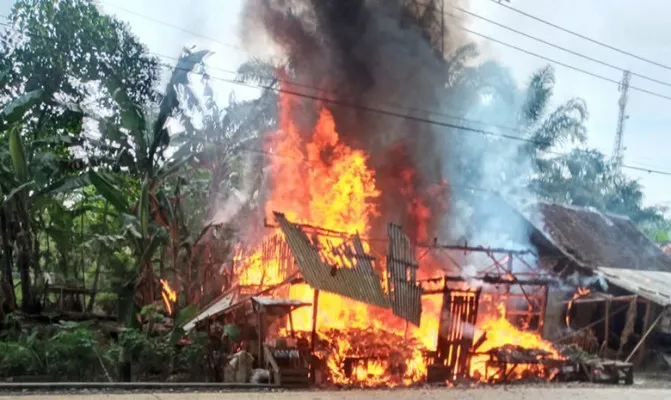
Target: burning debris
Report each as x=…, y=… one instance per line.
x=361, y=337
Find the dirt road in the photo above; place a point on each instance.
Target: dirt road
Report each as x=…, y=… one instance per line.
x=606, y=393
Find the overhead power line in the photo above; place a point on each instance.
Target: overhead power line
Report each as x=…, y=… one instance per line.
x=563, y=64
x=566, y=65
x=581, y=36
x=556, y=46
x=389, y=113
x=374, y=109
x=149, y=18
x=322, y=90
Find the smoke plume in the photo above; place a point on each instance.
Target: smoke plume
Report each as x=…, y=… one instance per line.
x=402, y=57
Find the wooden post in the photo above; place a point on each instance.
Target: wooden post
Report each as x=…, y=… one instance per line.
x=313, y=339
x=646, y=324
x=645, y=336
x=543, y=311
x=291, y=324
x=261, y=335
x=606, y=328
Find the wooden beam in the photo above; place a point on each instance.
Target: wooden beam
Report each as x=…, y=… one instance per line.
x=627, y=298
x=262, y=336
x=606, y=328
x=646, y=323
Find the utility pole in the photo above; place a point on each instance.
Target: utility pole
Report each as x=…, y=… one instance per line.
x=622, y=103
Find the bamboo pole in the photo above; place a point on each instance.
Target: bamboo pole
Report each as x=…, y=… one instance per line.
x=645, y=336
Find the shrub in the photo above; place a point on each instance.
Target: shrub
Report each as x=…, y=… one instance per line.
x=71, y=353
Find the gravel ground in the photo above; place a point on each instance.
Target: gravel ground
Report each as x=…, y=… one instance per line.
x=498, y=393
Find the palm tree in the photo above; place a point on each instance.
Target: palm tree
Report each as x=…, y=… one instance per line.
x=549, y=129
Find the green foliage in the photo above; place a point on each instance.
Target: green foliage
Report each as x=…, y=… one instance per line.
x=65, y=351
x=70, y=351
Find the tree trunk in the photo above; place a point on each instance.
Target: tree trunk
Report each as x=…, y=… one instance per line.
x=25, y=259
x=96, y=278
x=7, y=277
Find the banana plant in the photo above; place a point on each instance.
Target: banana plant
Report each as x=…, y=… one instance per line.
x=30, y=175
x=15, y=218
x=144, y=135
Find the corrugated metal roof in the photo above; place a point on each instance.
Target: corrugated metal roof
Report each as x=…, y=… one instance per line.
x=215, y=308
x=652, y=285
x=358, y=282
x=405, y=295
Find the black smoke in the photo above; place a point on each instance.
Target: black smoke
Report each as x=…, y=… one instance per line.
x=384, y=54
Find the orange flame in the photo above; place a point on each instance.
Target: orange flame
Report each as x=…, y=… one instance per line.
x=169, y=296
x=319, y=180
x=500, y=332
x=581, y=292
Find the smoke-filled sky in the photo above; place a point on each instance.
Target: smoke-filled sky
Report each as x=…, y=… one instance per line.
x=639, y=27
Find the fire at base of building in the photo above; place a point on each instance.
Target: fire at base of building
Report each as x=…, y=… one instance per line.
x=319, y=305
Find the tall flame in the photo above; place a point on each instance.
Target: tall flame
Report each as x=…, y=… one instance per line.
x=169, y=295
x=319, y=180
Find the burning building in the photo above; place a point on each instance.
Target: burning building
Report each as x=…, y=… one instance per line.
x=358, y=185
x=386, y=307
x=382, y=303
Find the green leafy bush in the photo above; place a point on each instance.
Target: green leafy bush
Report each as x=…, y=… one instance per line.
x=18, y=359
x=71, y=353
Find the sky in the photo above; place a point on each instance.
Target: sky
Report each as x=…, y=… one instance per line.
x=642, y=28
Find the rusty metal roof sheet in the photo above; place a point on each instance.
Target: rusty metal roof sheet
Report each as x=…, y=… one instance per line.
x=358, y=281
x=652, y=285
x=404, y=293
